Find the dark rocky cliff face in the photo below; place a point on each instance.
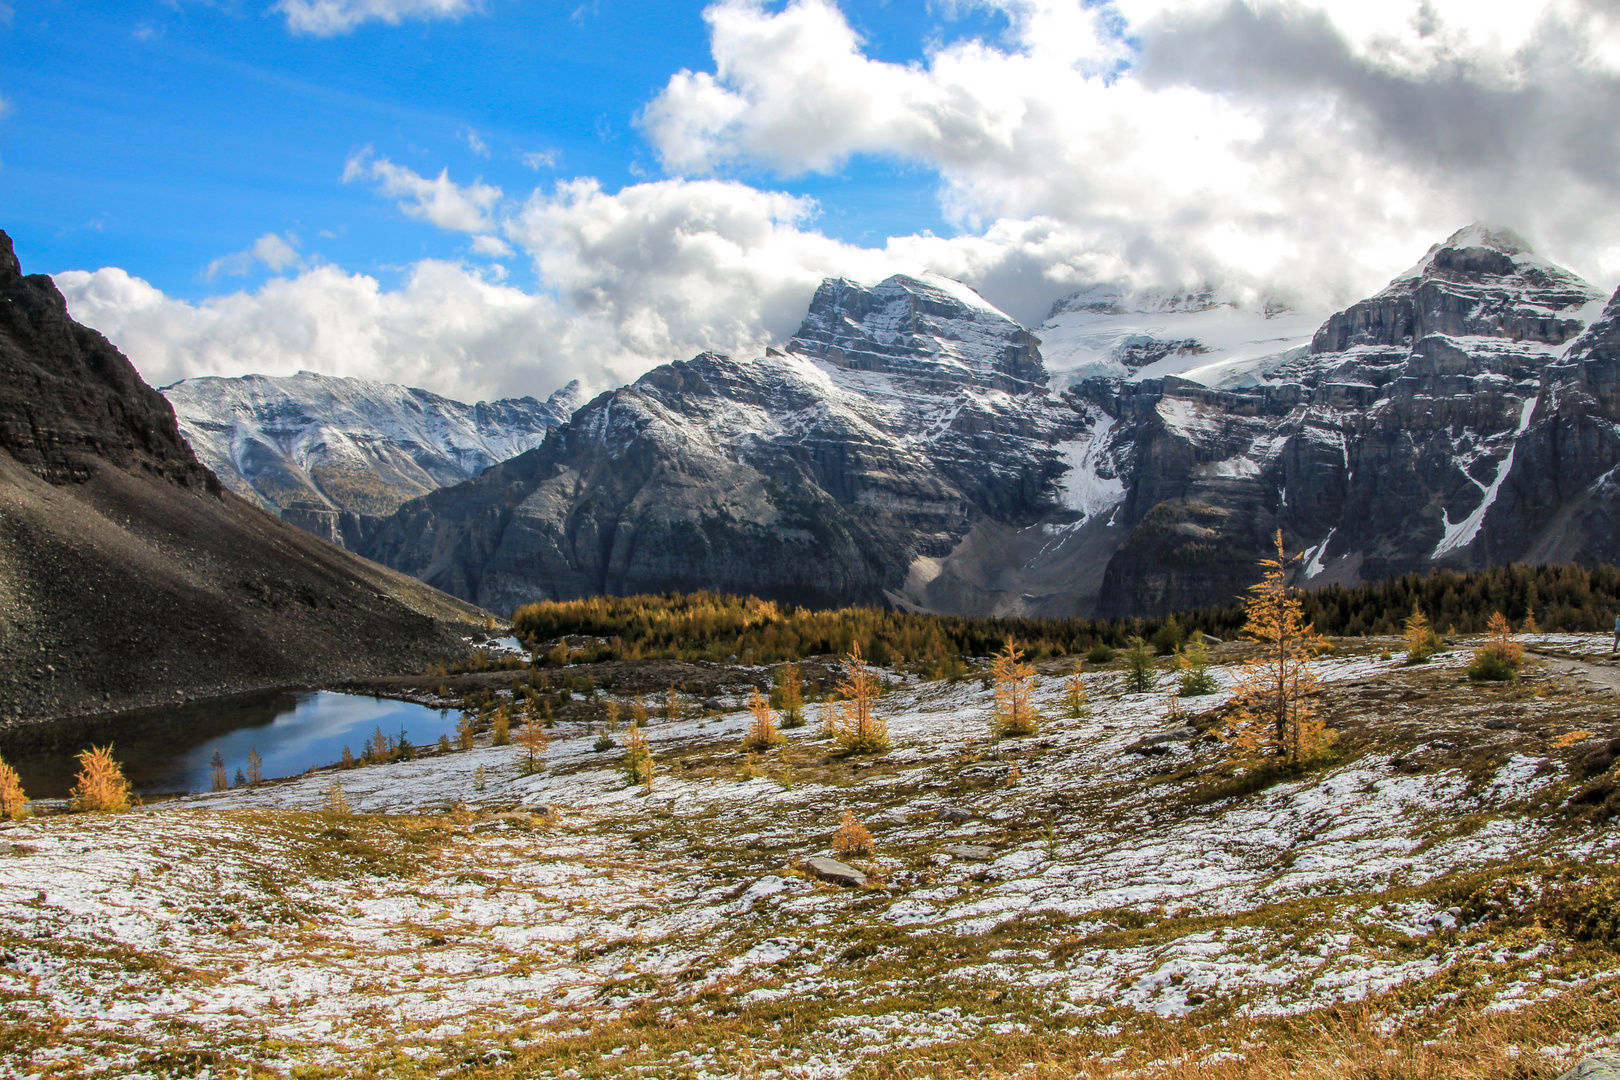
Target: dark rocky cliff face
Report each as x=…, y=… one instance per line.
x=69, y=400
x=129, y=577
x=898, y=418
x=1384, y=451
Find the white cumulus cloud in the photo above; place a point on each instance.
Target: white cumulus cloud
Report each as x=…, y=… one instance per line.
x=1303, y=150
x=440, y=200
x=1300, y=144
x=274, y=252
x=327, y=18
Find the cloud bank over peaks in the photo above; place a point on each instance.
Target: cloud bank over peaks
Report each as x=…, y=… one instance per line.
x=328, y=18
x=1305, y=142
x=628, y=280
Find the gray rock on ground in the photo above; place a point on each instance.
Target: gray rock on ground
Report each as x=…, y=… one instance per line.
x=1604, y=1066
x=835, y=872
x=970, y=852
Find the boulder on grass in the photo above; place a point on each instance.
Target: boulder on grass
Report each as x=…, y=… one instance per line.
x=1604, y=1066
x=831, y=870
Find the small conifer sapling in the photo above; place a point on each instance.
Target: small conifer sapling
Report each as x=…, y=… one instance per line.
x=1140, y=672
x=216, y=772
x=1195, y=678
x=1421, y=640
x=852, y=838
x=13, y=802
x=672, y=705
x=638, y=712
x=762, y=731
x=1074, y=694
x=465, y=731
x=1499, y=658
x=852, y=719
x=1014, y=714
x=1275, y=697
x=500, y=733
x=100, y=786
x=637, y=762
x=335, y=805
x=533, y=739
x=255, y=768
x=789, y=695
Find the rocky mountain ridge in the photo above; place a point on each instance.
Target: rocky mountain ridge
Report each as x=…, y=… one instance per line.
x=336, y=455
x=907, y=446
x=1381, y=451
x=129, y=576
x=899, y=418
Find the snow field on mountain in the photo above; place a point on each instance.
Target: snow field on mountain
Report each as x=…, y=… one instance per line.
x=1221, y=345
x=459, y=914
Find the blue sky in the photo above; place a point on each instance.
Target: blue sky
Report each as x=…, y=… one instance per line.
x=161, y=136
x=487, y=197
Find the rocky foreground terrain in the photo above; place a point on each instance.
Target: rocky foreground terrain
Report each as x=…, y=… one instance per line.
x=1117, y=895
x=910, y=446
x=130, y=576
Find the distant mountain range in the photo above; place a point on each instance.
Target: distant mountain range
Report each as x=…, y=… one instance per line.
x=912, y=445
x=335, y=455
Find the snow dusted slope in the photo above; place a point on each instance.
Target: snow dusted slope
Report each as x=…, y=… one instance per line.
x=848, y=468
x=328, y=453
x=1104, y=330
x=1381, y=451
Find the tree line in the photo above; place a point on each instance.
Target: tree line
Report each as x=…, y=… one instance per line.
x=723, y=628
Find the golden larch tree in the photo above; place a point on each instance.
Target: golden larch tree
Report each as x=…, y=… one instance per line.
x=637, y=762
x=533, y=739
x=1014, y=712
x=852, y=838
x=672, y=705
x=255, y=768
x=1074, y=692
x=13, y=802
x=789, y=695
x=100, y=786
x=762, y=731
x=1421, y=640
x=854, y=723
x=1274, y=700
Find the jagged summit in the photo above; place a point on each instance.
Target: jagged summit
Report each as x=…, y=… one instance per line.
x=927, y=328
x=1479, y=282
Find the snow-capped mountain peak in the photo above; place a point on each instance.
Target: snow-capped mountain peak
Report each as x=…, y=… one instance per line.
x=328, y=452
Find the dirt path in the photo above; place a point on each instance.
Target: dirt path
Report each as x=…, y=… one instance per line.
x=1597, y=674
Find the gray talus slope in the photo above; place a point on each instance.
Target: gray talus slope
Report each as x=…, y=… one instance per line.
x=335, y=455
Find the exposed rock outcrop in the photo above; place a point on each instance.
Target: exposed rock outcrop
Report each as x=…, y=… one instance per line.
x=128, y=576
x=898, y=418
x=1382, y=451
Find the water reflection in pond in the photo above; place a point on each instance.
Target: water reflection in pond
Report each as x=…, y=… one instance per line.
x=167, y=750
